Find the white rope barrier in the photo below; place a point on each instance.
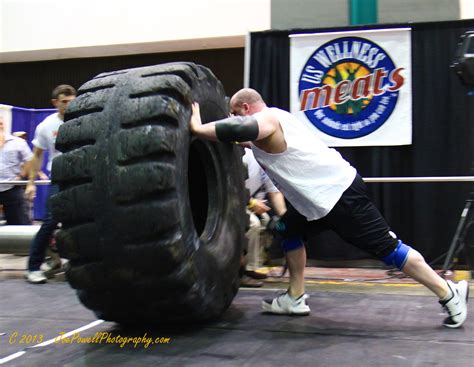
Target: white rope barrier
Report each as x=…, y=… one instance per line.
x=24, y=182
x=18, y=237
x=421, y=179
x=366, y=179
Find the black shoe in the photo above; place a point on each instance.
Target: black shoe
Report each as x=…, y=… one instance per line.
x=255, y=275
x=246, y=281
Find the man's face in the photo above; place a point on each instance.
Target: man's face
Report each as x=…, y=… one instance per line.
x=62, y=102
x=240, y=110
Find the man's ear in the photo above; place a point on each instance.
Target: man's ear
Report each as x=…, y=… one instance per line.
x=54, y=102
x=246, y=108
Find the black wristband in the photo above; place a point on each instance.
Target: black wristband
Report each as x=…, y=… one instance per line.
x=237, y=128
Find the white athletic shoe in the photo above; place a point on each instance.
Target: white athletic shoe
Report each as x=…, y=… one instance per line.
x=35, y=277
x=456, y=306
x=51, y=266
x=284, y=304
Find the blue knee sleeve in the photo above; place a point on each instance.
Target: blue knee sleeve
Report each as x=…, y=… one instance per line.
x=289, y=244
x=398, y=257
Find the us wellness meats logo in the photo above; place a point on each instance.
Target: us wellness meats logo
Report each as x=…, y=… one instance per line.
x=349, y=87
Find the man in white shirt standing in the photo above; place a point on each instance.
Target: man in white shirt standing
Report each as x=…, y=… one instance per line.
x=45, y=140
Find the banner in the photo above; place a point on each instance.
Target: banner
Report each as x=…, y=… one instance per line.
x=26, y=119
x=353, y=88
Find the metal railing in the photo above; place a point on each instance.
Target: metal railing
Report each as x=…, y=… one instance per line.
x=24, y=182
x=366, y=179
x=16, y=239
x=421, y=179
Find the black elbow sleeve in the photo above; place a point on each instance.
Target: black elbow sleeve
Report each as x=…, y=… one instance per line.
x=238, y=128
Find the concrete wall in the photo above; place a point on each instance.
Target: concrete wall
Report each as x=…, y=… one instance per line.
x=53, y=29
x=32, y=30
x=466, y=9
x=287, y=14
x=390, y=11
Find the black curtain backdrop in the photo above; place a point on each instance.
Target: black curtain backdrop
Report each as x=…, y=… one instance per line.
x=29, y=84
x=424, y=215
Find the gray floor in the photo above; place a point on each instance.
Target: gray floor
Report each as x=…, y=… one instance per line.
x=344, y=329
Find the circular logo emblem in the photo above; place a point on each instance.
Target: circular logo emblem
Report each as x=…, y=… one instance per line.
x=349, y=87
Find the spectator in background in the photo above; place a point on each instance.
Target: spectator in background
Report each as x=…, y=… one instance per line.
x=27, y=205
x=260, y=188
x=21, y=134
x=14, y=154
x=45, y=139
x=24, y=171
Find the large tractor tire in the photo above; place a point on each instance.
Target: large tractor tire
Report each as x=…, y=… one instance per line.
x=153, y=220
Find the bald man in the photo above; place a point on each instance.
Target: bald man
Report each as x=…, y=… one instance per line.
x=325, y=192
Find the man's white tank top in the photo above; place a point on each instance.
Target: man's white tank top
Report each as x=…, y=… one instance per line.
x=311, y=175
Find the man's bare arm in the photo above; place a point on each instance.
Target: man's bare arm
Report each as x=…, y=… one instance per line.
x=206, y=131
x=25, y=170
x=35, y=165
x=237, y=128
x=277, y=201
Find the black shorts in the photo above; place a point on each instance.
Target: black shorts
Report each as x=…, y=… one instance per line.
x=354, y=218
